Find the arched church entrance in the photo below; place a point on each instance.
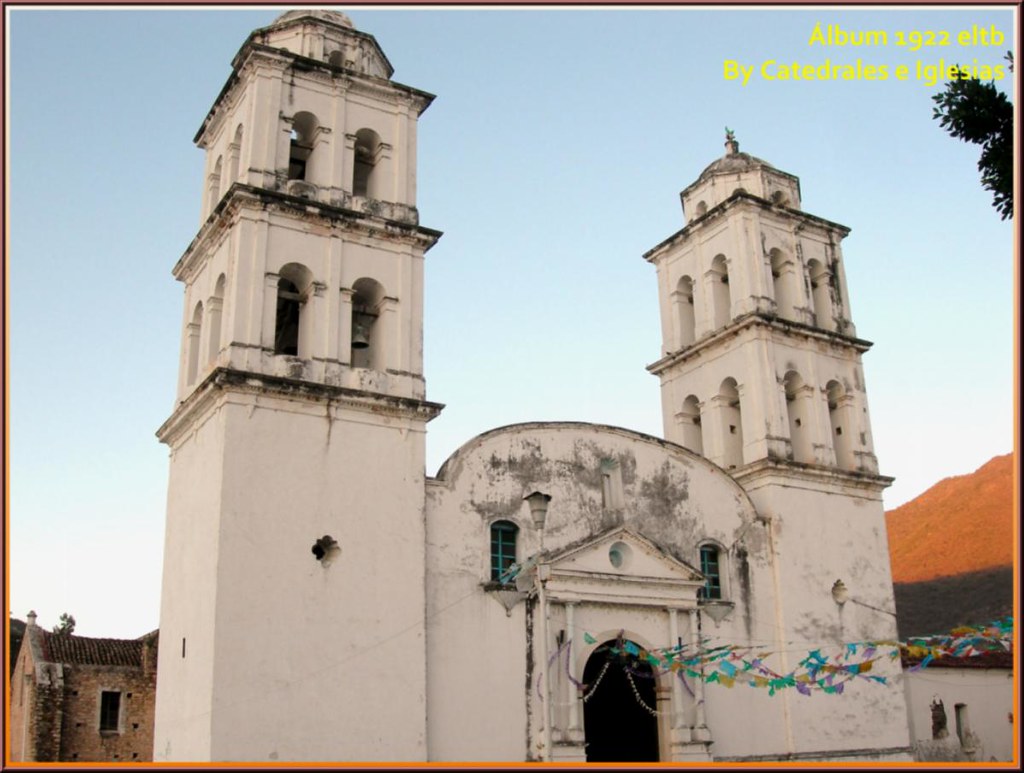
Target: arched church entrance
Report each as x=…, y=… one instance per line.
x=617, y=721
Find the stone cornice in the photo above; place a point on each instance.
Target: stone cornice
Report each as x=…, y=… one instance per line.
x=769, y=472
x=251, y=48
x=758, y=319
x=223, y=380
x=748, y=200
x=241, y=196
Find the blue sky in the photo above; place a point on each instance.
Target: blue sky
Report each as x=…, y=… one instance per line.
x=552, y=160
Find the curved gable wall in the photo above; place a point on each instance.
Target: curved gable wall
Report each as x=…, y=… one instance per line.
x=479, y=653
x=668, y=494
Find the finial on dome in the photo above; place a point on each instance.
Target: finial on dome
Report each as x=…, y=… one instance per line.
x=732, y=147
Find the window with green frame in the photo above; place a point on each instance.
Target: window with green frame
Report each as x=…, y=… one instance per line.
x=503, y=547
x=710, y=568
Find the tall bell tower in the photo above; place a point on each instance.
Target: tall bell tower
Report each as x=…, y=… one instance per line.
x=293, y=587
x=761, y=373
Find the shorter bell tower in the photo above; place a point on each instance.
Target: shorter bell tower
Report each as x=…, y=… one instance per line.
x=293, y=586
x=761, y=373
x=760, y=356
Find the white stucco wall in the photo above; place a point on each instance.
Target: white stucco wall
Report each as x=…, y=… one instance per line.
x=300, y=660
x=825, y=530
x=986, y=695
x=188, y=595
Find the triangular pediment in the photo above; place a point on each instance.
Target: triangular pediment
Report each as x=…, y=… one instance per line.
x=636, y=556
x=621, y=566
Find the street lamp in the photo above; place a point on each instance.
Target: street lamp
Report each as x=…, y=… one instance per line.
x=538, y=507
x=538, y=502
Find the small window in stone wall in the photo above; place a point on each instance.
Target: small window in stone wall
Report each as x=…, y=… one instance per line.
x=711, y=569
x=110, y=711
x=503, y=548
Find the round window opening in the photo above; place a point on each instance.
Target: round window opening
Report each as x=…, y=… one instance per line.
x=619, y=554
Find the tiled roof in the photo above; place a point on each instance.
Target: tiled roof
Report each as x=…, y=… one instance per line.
x=62, y=648
x=984, y=660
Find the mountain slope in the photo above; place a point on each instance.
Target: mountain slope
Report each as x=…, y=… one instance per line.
x=961, y=524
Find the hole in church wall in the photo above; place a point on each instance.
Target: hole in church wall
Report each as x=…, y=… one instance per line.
x=326, y=549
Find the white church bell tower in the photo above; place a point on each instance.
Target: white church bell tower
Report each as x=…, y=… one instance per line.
x=761, y=362
x=761, y=373
x=293, y=587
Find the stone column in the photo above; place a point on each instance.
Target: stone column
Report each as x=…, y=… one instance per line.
x=700, y=728
x=318, y=167
x=214, y=307
x=269, y=324
x=387, y=355
x=574, y=732
x=345, y=326
x=680, y=733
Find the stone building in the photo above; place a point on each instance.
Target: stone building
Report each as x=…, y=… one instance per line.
x=324, y=600
x=78, y=699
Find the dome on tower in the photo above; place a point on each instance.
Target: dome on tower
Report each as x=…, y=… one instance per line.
x=332, y=17
x=734, y=162
x=731, y=163
x=737, y=172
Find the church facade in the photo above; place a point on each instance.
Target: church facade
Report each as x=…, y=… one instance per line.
x=325, y=600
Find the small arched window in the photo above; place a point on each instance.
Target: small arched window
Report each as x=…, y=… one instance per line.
x=336, y=58
x=702, y=209
x=503, y=547
x=711, y=568
x=367, y=154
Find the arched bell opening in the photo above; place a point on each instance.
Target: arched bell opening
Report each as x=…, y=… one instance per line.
x=693, y=435
x=798, y=414
x=291, y=326
x=732, y=424
x=367, y=154
x=367, y=336
x=685, y=315
x=819, y=277
x=300, y=150
x=721, y=301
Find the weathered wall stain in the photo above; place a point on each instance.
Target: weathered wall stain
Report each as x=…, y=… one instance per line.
x=746, y=597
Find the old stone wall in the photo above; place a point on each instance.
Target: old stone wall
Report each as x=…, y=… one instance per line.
x=81, y=739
